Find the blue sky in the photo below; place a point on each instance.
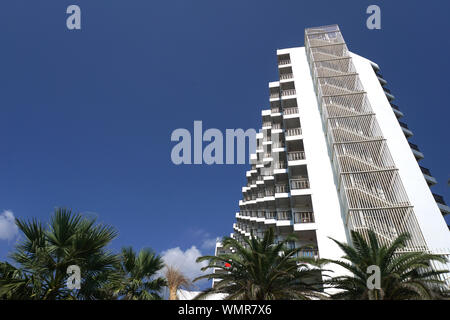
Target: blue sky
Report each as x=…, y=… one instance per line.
x=86, y=116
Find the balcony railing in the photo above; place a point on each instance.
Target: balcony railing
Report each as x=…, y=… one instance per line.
x=274, y=95
x=261, y=214
x=293, y=110
x=267, y=124
x=286, y=76
x=284, y=62
x=313, y=252
x=288, y=92
x=278, y=144
x=284, y=214
x=271, y=214
x=276, y=126
x=439, y=199
x=270, y=192
x=403, y=125
x=293, y=132
x=267, y=155
x=281, y=188
x=425, y=170
x=299, y=184
x=387, y=90
x=275, y=110
x=280, y=165
x=303, y=217
x=296, y=155
x=395, y=107
x=414, y=146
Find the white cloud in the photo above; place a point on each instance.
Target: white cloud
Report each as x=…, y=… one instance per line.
x=209, y=243
x=8, y=227
x=185, y=261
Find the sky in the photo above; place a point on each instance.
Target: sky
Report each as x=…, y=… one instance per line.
x=86, y=115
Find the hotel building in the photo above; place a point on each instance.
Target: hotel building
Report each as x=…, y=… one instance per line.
x=333, y=155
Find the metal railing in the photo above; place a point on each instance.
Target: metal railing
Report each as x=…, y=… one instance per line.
x=284, y=62
x=288, y=92
x=281, y=188
x=369, y=184
x=284, y=214
x=286, y=76
x=293, y=132
x=303, y=217
x=278, y=144
x=296, y=155
x=271, y=214
x=280, y=165
x=275, y=110
x=293, y=110
x=299, y=184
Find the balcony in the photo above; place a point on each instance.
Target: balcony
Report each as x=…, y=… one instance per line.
x=288, y=92
x=278, y=144
x=296, y=155
x=284, y=62
x=270, y=192
x=282, y=188
x=293, y=132
x=274, y=95
x=284, y=215
x=297, y=184
x=289, y=111
x=308, y=252
x=439, y=198
x=425, y=171
x=275, y=110
x=397, y=111
x=303, y=217
x=441, y=204
x=403, y=125
x=415, y=150
x=428, y=177
x=271, y=215
x=276, y=126
x=406, y=131
x=286, y=76
x=280, y=165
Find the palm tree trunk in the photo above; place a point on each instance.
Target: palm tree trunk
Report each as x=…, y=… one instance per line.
x=173, y=292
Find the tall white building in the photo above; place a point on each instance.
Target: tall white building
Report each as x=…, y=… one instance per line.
x=333, y=156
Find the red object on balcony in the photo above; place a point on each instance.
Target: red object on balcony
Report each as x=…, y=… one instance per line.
x=227, y=265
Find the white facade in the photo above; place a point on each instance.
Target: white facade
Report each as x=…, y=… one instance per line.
x=332, y=157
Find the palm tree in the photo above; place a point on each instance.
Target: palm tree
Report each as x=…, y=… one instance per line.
x=403, y=275
x=175, y=280
x=138, y=275
x=262, y=270
x=45, y=254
